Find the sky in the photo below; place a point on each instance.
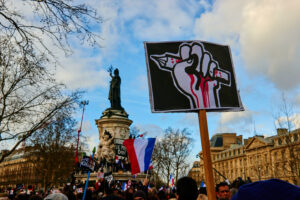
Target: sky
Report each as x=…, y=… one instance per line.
x=263, y=36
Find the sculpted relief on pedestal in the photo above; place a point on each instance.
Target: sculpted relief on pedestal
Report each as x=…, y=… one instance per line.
x=107, y=146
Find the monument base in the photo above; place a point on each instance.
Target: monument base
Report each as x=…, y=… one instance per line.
x=117, y=176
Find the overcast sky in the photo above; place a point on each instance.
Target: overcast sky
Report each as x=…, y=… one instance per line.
x=263, y=36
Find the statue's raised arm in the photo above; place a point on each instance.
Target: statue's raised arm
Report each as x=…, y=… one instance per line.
x=114, y=91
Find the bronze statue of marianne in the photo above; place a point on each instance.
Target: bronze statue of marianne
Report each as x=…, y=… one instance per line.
x=114, y=91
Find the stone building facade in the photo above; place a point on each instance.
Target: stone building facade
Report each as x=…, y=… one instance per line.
x=258, y=157
x=20, y=168
x=16, y=169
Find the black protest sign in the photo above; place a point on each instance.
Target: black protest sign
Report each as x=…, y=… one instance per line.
x=120, y=149
x=191, y=75
x=87, y=163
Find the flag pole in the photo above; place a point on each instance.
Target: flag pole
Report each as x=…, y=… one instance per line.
x=210, y=185
x=87, y=179
x=147, y=173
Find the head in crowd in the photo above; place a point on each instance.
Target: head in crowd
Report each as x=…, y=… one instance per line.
x=186, y=189
x=272, y=189
x=162, y=195
x=56, y=196
x=222, y=191
x=139, y=195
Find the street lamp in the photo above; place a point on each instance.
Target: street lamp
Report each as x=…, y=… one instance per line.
x=84, y=103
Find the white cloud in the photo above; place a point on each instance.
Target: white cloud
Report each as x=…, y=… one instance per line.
x=236, y=122
x=146, y=20
x=266, y=31
x=86, y=126
x=92, y=141
x=151, y=129
x=294, y=120
x=236, y=117
x=79, y=71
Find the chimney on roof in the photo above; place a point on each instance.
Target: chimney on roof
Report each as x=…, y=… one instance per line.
x=282, y=131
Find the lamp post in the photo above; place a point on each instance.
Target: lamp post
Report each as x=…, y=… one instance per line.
x=84, y=103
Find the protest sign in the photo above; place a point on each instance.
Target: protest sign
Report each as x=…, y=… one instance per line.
x=188, y=76
x=120, y=149
x=87, y=163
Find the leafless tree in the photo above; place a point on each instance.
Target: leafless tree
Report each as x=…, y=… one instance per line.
x=54, y=20
x=284, y=120
x=171, y=152
x=53, y=150
x=29, y=95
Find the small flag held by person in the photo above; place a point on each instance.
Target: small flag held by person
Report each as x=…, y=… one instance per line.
x=124, y=186
x=202, y=184
x=140, y=153
x=171, y=181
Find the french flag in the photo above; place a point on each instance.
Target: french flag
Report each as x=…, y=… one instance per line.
x=202, y=184
x=124, y=186
x=150, y=165
x=139, y=152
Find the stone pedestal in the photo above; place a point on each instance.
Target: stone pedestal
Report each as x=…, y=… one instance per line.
x=113, y=124
x=117, y=177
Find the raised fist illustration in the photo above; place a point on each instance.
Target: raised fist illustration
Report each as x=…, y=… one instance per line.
x=195, y=74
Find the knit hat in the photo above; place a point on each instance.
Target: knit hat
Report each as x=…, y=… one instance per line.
x=139, y=193
x=56, y=196
x=273, y=189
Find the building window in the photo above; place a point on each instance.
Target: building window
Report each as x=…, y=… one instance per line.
x=234, y=152
x=279, y=141
x=282, y=155
x=229, y=153
x=287, y=140
x=239, y=151
x=295, y=137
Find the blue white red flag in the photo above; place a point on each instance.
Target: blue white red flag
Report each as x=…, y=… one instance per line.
x=171, y=181
x=139, y=152
x=202, y=184
x=124, y=186
x=151, y=165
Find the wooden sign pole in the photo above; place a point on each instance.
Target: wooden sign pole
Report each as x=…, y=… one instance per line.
x=210, y=185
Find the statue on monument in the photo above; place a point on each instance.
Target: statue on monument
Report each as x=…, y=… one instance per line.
x=114, y=89
x=107, y=146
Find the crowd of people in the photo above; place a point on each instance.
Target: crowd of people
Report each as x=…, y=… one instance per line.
x=186, y=189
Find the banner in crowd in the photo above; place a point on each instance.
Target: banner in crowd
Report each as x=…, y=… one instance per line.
x=87, y=163
x=139, y=152
x=120, y=149
x=191, y=75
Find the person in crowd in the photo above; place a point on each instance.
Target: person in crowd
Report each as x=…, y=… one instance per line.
x=162, y=195
x=152, y=193
x=139, y=195
x=186, y=189
x=56, y=196
x=129, y=194
x=272, y=189
x=202, y=194
x=172, y=196
x=222, y=191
